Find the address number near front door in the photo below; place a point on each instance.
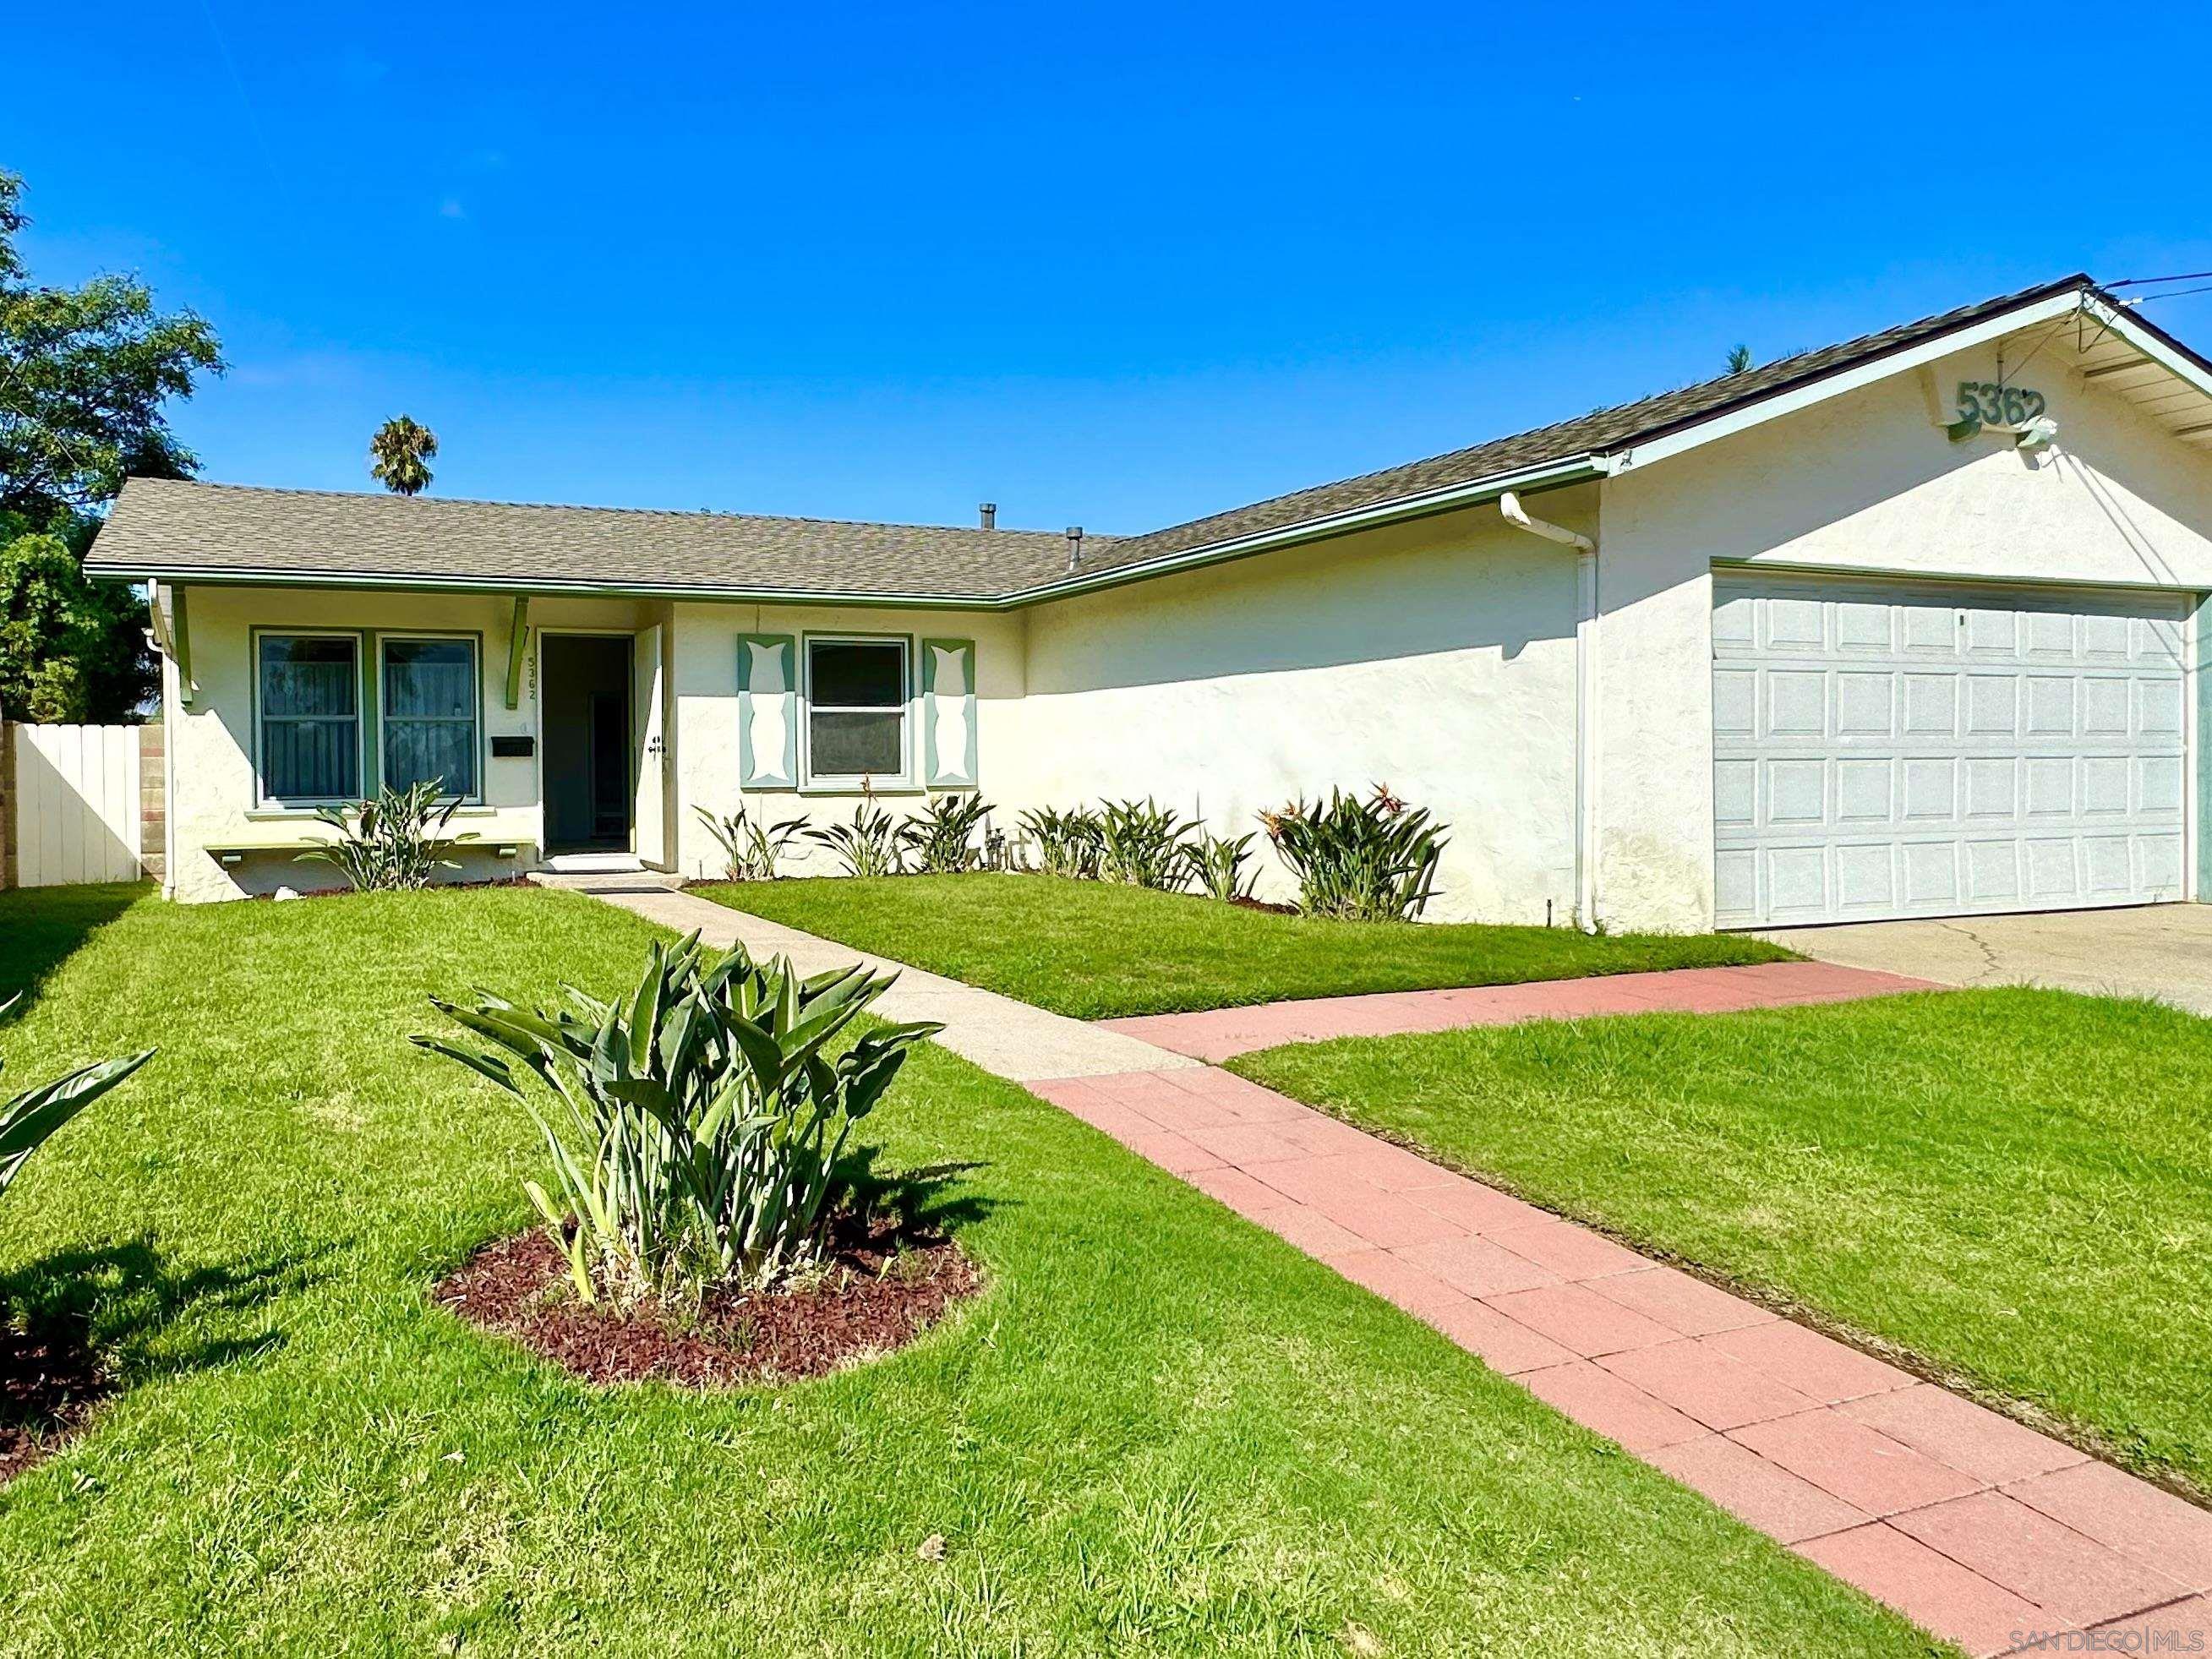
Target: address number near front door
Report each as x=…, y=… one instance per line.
x=1985, y=403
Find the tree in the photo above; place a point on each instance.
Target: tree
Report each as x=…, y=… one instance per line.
x=85, y=374
x=1739, y=359
x=399, y=455
x=52, y=624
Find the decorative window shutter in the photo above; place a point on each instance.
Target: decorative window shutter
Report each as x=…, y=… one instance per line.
x=768, y=712
x=948, y=713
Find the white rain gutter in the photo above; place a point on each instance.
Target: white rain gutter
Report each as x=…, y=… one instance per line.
x=1509, y=505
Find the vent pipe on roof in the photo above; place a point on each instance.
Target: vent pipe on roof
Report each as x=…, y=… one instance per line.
x=989, y=511
x=1075, y=547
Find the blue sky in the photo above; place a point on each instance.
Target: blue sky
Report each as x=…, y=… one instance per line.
x=1109, y=266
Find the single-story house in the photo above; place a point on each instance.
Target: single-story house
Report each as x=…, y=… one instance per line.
x=1906, y=626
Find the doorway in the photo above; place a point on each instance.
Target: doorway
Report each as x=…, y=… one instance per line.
x=585, y=680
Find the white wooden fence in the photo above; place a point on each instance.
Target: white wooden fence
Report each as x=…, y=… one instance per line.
x=76, y=805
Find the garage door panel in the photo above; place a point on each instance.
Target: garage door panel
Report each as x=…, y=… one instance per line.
x=1886, y=751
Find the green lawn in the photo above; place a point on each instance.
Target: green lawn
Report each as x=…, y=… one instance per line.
x=1160, y=1429
x=1095, y=950
x=2014, y=1185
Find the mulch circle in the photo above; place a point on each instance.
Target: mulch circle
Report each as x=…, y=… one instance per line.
x=877, y=1294
x=51, y=1382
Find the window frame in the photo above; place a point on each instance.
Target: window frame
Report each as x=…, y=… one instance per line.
x=850, y=782
x=382, y=637
x=358, y=639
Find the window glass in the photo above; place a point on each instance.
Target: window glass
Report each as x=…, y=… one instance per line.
x=310, y=702
x=430, y=714
x=858, y=673
x=856, y=707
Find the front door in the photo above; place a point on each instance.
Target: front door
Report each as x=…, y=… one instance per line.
x=585, y=680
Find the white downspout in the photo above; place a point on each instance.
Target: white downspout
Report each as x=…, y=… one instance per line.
x=1509, y=504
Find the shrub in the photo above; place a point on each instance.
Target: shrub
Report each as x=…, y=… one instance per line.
x=1372, y=860
x=1069, y=843
x=868, y=846
x=1141, y=843
x=697, y=1127
x=1217, y=865
x=942, y=840
x=750, y=849
x=389, y=844
x=27, y=1119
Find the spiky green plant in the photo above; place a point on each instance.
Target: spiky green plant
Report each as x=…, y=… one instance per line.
x=1370, y=860
x=941, y=841
x=751, y=849
x=1069, y=843
x=28, y=1120
x=868, y=846
x=698, y=1128
x=1141, y=842
x=1216, y=865
x=390, y=844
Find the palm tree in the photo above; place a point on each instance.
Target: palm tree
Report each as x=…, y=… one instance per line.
x=399, y=455
x=1739, y=359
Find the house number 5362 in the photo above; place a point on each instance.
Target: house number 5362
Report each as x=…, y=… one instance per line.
x=1987, y=403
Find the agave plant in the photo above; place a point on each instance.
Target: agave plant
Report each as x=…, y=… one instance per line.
x=750, y=849
x=942, y=840
x=1372, y=860
x=1141, y=842
x=697, y=1127
x=390, y=844
x=1216, y=865
x=27, y=1119
x=1069, y=843
x=868, y=846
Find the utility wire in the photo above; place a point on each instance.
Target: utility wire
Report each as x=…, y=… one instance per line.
x=2143, y=282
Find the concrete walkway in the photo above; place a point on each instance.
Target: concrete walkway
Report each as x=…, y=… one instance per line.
x=999, y=1034
x=2162, y=951
x=1220, y=1034
x=1978, y=1528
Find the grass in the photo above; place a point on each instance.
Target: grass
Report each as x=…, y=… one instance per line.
x=1095, y=950
x=1160, y=1429
x=2012, y=1185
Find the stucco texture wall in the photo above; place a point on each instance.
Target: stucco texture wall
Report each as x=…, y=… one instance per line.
x=1863, y=482
x=709, y=768
x=1437, y=657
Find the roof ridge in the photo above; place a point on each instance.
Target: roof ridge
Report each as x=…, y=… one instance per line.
x=388, y=498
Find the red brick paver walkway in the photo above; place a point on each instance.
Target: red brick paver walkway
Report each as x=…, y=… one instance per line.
x=1221, y=1033
x=1982, y=1530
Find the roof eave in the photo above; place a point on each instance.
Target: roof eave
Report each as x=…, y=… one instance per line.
x=126, y=570
x=1474, y=492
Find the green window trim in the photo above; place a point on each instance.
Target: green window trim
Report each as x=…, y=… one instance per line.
x=767, y=670
x=362, y=717
x=474, y=719
x=941, y=769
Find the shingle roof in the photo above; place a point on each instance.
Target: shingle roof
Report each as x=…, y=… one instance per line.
x=170, y=526
x=1604, y=431
x=177, y=528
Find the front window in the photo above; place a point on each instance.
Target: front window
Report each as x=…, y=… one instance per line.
x=856, y=698
x=310, y=699
x=429, y=714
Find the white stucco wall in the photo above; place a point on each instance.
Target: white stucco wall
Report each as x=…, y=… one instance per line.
x=1864, y=483
x=706, y=697
x=1437, y=657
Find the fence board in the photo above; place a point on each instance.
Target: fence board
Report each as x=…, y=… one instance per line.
x=77, y=805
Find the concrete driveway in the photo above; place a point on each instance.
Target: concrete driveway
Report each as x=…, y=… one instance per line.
x=2162, y=951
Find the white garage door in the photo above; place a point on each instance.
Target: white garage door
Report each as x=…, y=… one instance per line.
x=1885, y=751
